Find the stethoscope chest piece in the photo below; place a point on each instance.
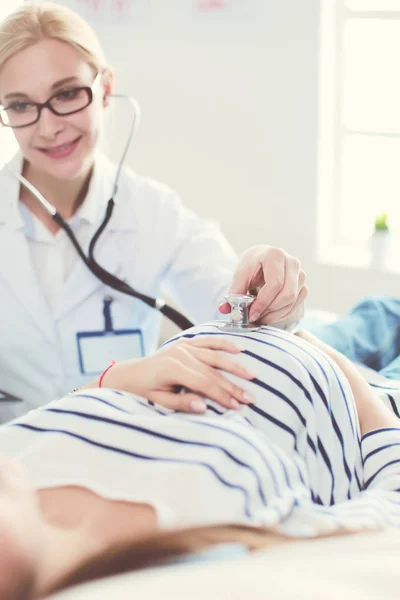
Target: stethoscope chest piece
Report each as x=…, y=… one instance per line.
x=239, y=316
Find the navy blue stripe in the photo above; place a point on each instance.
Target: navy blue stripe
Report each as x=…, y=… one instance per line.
x=275, y=421
x=318, y=363
x=285, y=427
x=393, y=404
x=165, y=437
x=332, y=416
x=273, y=450
x=341, y=440
x=329, y=465
x=281, y=369
x=379, y=450
x=359, y=484
x=214, y=410
x=98, y=400
x=392, y=462
x=344, y=399
x=130, y=398
x=282, y=396
x=142, y=457
x=378, y=431
x=310, y=442
x=204, y=423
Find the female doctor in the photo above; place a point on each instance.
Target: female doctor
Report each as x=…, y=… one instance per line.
x=59, y=324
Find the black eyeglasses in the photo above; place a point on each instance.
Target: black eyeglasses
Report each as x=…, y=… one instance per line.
x=66, y=102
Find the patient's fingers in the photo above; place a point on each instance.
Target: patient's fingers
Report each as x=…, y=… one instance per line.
x=186, y=402
x=221, y=361
x=206, y=361
x=197, y=377
x=214, y=342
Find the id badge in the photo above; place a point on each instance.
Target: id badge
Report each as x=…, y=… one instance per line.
x=96, y=349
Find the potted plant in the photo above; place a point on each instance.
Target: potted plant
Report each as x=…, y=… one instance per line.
x=381, y=223
x=379, y=240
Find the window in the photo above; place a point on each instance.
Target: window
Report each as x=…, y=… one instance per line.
x=359, y=174
x=8, y=145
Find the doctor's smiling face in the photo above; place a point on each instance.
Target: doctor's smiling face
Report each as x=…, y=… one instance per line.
x=60, y=146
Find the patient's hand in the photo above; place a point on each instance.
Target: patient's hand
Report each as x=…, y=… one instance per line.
x=190, y=364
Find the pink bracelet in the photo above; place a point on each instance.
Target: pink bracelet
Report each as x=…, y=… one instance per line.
x=112, y=363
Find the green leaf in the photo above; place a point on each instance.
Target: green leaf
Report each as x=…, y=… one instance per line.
x=381, y=222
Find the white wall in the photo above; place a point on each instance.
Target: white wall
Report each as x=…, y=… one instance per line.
x=230, y=119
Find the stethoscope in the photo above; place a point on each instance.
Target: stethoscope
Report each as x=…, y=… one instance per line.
x=98, y=271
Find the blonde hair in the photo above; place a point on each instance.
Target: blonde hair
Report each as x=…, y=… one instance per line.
x=33, y=22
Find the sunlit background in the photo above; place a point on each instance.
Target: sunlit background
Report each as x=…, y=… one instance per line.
x=279, y=119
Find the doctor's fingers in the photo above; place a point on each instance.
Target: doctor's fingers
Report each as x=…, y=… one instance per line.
x=276, y=316
x=295, y=279
x=282, y=282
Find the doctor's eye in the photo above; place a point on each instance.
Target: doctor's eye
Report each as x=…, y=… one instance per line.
x=68, y=95
x=21, y=107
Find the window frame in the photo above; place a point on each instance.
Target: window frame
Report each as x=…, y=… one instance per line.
x=330, y=248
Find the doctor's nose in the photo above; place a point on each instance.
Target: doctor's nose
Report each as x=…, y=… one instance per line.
x=49, y=124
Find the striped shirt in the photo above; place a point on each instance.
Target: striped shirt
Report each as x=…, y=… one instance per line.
x=295, y=460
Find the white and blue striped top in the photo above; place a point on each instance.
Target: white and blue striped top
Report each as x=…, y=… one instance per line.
x=294, y=460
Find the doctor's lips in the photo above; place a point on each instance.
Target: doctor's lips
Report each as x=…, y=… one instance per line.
x=62, y=150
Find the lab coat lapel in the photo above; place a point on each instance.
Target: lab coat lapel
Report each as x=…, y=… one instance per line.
x=17, y=271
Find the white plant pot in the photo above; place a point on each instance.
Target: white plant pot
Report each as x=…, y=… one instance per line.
x=379, y=247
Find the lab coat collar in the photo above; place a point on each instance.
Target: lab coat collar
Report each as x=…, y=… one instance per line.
x=80, y=284
x=9, y=209
x=92, y=210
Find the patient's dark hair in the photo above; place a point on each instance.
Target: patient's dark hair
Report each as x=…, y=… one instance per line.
x=155, y=550
x=17, y=580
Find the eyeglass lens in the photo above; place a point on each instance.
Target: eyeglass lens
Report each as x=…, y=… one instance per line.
x=20, y=113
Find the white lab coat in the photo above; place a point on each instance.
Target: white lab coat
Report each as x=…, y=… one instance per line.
x=152, y=241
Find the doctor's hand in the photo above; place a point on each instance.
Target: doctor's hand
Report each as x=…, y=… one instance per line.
x=279, y=280
x=180, y=375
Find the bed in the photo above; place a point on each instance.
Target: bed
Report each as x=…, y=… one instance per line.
x=362, y=566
